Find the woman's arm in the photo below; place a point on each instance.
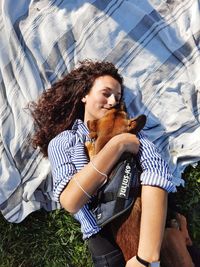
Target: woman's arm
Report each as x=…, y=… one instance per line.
x=155, y=170
x=153, y=217
x=157, y=180
x=73, y=197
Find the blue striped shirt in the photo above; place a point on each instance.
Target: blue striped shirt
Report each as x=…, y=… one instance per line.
x=67, y=156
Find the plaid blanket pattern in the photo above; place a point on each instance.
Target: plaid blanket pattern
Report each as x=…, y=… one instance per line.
x=155, y=45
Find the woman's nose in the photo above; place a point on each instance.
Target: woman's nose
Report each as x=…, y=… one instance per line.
x=112, y=100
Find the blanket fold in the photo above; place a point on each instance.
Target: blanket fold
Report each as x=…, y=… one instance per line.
x=155, y=45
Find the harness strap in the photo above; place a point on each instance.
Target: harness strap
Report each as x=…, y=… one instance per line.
x=104, y=197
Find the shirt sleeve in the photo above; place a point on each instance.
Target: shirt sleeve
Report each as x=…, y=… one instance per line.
x=62, y=167
x=155, y=170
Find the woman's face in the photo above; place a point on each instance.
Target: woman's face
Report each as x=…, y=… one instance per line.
x=104, y=94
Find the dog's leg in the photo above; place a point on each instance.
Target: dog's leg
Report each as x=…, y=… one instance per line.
x=174, y=251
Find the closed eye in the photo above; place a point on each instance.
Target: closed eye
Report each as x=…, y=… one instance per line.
x=117, y=97
x=106, y=94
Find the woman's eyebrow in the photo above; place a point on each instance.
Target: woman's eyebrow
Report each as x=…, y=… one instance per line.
x=110, y=89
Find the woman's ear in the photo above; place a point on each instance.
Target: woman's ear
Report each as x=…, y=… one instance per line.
x=84, y=99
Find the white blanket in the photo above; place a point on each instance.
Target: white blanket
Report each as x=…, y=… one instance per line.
x=155, y=44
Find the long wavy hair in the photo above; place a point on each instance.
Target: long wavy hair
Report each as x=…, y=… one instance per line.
x=59, y=106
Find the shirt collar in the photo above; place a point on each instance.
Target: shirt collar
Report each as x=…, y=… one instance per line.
x=81, y=129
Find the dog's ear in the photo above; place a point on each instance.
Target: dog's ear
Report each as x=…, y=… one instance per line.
x=137, y=124
x=92, y=126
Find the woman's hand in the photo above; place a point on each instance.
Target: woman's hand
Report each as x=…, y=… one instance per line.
x=126, y=142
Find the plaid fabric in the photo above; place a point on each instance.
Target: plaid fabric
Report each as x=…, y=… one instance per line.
x=155, y=44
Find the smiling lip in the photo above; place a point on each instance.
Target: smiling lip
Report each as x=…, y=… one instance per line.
x=107, y=108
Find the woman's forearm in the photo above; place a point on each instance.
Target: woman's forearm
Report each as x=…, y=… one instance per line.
x=154, y=209
x=73, y=197
x=89, y=179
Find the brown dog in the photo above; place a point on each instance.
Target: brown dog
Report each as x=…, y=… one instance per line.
x=115, y=122
x=126, y=227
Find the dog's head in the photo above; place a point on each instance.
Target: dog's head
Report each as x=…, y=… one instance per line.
x=114, y=122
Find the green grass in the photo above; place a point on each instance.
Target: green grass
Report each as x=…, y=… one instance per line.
x=54, y=239
x=188, y=200
x=43, y=240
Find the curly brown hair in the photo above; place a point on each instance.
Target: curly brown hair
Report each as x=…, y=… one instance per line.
x=59, y=106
